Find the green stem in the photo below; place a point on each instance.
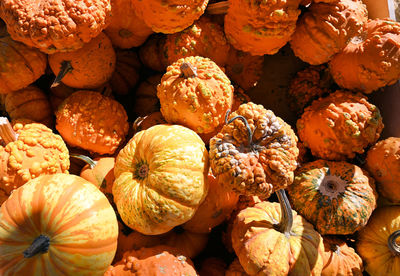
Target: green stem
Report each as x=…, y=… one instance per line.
x=393, y=246
x=66, y=67
x=218, y=8
x=39, y=245
x=85, y=158
x=286, y=223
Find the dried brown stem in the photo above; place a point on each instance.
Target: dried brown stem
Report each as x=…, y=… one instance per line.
x=7, y=133
x=218, y=8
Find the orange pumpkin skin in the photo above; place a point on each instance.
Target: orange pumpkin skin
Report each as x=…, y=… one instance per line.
x=169, y=16
x=216, y=207
x=29, y=103
x=340, y=259
x=371, y=60
x=213, y=267
x=340, y=125
x=126, y=29
x=91, y=121
x=65, y=26
x=372, y=242
x=58, y=94
x=20, y=65
x=262, y=167
x=37, y=151
x=262, y=250
x=383, y=163
x=261, y=27
x=72, y=213
x=126, y=74
x=203, y=38
x=336, y=197
x=151, y=53
x=151, y=190
x=326, y=28
x=101, y=174
x=198, y=102
x=158, y=261
x=235, y=269
x=92, y=65
x=146, y=100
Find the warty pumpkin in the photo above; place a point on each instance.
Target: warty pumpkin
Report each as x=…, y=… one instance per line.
x=55, y=26
x=57, y=225
x=195, y=93
x=336, y=197
x=340, y=125
x=160, y=178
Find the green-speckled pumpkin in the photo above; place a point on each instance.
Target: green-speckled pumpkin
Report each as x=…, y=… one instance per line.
x=160, y=178
x=337, y=197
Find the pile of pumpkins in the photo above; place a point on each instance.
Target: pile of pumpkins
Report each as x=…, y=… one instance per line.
x=130, y=144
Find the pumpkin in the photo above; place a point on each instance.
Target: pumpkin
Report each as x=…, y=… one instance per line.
x=235, y=269
x=340, y=125
x=58, y=94
x=30, y=150
x=143, y=123
x=308, y=85
x=213, y=267
x=20, y=65
x=340, y=259
x=195, y=93
x=86, y=68
x=126, y=29
x=126, y=74
x=157, y=261
x=152, y=189
x=371, y=60
x=146, y=100
x=377, y=243
x=169, y=16
x=255, y=155
x=261, y=27
x=383, y=163
x=151, y=53
x=57, y=225
x=271, y=239
x=243, y=68
x=55, y=26
x=204, y=38
x=326, y=28
x=29, y=103
x=336, y=197
x=91, y=121
x=239, y=97
x=216, y=207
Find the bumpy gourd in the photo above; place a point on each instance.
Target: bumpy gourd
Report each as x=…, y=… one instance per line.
x=340, y=125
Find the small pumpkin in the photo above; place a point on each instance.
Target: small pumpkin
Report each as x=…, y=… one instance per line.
x=146, y=100
x=340, y=125
x=195, y=93
x=151, y=53
x=91, y=121
x=57, y=225
x=377, y=243
x=383, y=163
x=55, y=26
x=235, y=269
x=58, y=94
x=213, y=266
x=126, y=74
x=152, y=190
x=86, y=68
x=20, y=65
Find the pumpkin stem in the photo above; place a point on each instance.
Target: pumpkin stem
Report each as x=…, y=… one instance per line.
x=66, y=67
x=39, y=245
x=218, y=8
x=393, y=246
x=250, y=133
x=7, y=133
x=188, y=70
x=286, y=223
x=85, y=159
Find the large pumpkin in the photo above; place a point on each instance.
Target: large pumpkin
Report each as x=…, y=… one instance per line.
x=160, y=178
x=57, y=225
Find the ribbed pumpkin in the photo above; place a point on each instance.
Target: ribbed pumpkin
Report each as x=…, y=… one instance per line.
x=371, y=60
x=169, y=16
x=160, y=178
x=126, y=74
x=340, y=259
x=340, y=125
x=146, y=100
x=196, y=93
x=20, y=65
x=383, y=163
x=55, y=26
x=126, y=29
x=336, y=197
x=326, y=28
x=86, y=68
x=57, y=225
x=377, y=243
x=151, y=53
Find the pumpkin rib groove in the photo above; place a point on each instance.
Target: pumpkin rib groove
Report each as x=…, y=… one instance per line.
x=160, y=192
x=26, y=62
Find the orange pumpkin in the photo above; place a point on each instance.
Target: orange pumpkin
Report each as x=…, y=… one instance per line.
x=146, y=101
x=143, y=123
x=58, y=94
x=86, y=68
x=151, y=53
x=126, y=74
x=235, y=269
x=55, y=26
x=213, y=267
x=57, y=225
x=195, y=93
